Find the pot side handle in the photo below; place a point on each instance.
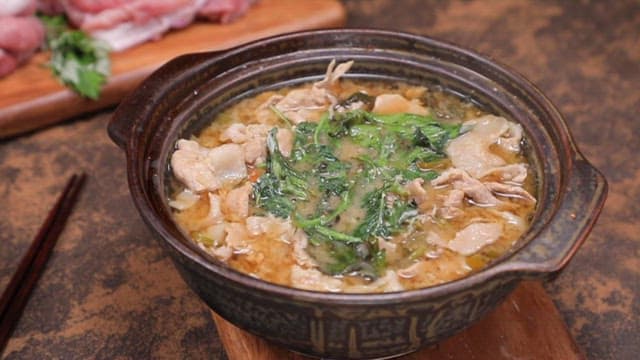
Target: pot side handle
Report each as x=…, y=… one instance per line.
x=124, y=118
x=551, y=250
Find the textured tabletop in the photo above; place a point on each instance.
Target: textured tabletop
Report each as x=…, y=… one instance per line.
x=110, y=292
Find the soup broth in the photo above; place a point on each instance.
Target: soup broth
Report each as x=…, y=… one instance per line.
x=354, y=186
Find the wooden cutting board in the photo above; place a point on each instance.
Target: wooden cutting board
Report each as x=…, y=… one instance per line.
x=31, y=98
x=527, y=325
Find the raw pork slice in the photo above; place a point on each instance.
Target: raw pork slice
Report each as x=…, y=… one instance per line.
x=125, y=23
x=21, y=34
x=17, y=7
x=224, y=10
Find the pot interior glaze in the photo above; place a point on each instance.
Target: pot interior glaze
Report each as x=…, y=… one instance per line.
x=183, y=97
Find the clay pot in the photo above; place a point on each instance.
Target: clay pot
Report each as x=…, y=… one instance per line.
x=183, y=96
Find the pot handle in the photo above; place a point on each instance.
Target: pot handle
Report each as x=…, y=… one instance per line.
x=124, y=119
x=556, y=244
x=119, y=129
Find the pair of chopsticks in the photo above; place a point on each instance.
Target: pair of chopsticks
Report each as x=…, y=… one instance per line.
x=32, y=265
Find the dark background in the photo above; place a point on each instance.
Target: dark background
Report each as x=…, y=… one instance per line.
x=110, y=292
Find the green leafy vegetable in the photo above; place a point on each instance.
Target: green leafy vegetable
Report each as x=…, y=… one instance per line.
x=77, y=60
x=325, y=218
x=268, y=195
x=54, y=27
x=333, y=235
x=292, y=182
x=417, y=129
x=280, y=115
x=281, y=185
x=421, y=130
x=332, y=174
x=384, y=218
x=318, y=183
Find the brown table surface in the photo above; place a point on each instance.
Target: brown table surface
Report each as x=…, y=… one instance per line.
x=110, y=292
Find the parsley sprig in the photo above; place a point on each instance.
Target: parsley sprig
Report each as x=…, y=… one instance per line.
x=77, y=60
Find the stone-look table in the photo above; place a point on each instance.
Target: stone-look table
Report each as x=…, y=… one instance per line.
x=110, y=292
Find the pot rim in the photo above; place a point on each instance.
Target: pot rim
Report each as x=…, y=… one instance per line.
x=191, y=253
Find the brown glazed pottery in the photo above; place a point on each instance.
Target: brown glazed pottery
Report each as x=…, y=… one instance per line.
x=180, y=99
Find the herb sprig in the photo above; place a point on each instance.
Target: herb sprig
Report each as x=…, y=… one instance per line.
x=77, y=60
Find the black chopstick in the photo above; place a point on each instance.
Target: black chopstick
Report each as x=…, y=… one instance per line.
x=16, y=295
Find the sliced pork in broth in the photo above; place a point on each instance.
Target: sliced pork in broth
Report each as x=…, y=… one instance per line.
x=354, y=186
